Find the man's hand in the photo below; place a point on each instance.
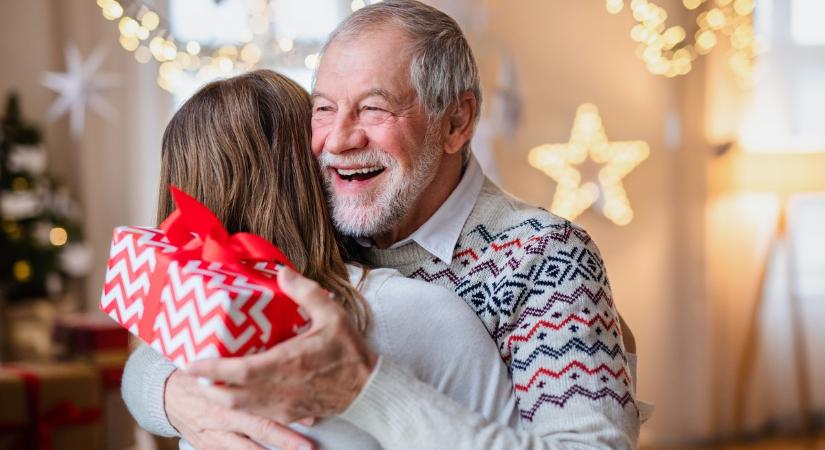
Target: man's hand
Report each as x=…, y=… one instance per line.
x=315, y=374
x=207, y=425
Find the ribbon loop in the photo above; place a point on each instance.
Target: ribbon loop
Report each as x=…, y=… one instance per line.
x=194, y=229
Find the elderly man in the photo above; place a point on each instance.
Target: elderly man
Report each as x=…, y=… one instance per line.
x=395, y=104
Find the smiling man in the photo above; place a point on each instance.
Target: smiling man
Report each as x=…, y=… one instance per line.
x=395, y=104
x=378, y=149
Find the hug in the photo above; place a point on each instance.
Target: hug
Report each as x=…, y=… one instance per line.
x=443, y=313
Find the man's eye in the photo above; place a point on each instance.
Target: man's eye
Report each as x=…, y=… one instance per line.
x=322, y=108
x=372, y=108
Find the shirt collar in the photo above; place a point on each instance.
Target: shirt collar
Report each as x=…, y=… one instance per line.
x=439, y=234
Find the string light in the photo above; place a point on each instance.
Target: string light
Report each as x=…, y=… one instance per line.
x=58, y=236
x=22, y=271
x=19, y=184
x=144, y=32
x=193, y=47
x=286, y=44
x=251, y=53
x=143, y=55
x=615, y=6
x=147, y=34
x=589, y=140
x=311, y=61
x=129, y=43
x=111, y=9
x=150, y=20
x=12, y=230
x=666, y=50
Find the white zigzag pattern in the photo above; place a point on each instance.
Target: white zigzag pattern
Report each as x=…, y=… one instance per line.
x=244, y=290
x=126, y=244
x=198, y=333
x=126, y=313
x=120, y=271
x=264, y=267
x=217, y=280
x=127, y=282
x=152, y=237
x=206, y=304
x=145, y=238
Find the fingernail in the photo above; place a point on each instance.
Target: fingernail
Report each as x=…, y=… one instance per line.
x=304, y=447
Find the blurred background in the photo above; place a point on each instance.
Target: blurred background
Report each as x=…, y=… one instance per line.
x=688, y=136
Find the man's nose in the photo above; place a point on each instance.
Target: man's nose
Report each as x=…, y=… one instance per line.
x=345, y=135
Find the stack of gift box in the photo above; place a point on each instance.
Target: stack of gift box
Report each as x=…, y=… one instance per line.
x=72, y=401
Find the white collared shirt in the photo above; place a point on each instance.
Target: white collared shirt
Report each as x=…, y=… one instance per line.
x=439, y=234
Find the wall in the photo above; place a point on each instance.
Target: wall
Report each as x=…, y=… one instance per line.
x=655, y=263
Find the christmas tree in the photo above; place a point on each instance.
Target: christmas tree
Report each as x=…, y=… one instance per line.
x=40, y=235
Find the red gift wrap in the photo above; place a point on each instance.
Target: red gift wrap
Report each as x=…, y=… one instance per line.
x=192, y=291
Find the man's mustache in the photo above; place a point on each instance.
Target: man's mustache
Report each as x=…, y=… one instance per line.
x=367, y=157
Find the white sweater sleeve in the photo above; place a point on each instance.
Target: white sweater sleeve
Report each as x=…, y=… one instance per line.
x=143, y=386
x=402, y=412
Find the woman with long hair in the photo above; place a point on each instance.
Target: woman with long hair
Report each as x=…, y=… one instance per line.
x=241, y=146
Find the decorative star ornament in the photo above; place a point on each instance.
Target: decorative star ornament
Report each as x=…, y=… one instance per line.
x=80, y=87
x=616, y=159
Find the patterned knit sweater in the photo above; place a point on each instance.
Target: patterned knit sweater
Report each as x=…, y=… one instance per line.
x=538, y=283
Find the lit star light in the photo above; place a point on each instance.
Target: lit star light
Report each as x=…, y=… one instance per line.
x=79, y=87
x=617, y=159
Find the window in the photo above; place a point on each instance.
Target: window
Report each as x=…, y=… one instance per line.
x=806, y=22
x=289, y=32
x=789, y=92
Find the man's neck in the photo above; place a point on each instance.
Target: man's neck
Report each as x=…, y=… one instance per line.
x=431, y=198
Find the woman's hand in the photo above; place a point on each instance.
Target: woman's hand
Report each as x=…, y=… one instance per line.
x=315, y=374
x=208, y=425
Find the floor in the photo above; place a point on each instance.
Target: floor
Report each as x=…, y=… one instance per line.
x=816, y=443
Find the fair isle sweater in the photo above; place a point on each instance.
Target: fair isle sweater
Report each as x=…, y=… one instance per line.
x=538, y=284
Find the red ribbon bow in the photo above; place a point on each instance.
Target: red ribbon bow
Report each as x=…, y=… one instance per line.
x=199, y=235
x=194, y=229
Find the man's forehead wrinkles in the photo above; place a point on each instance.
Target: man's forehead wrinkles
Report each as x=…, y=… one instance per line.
x=316, y=95
x=381, y=92
x=376, y=91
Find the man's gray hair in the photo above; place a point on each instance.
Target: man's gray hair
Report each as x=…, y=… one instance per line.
x=442, y=67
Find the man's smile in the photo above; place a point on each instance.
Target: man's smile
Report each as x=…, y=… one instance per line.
x=354, y=179
x=358, y=173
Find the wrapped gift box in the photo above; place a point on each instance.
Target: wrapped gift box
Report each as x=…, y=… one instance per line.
x=53, y=406
x=84, y=334
x=94, y=339
x=192, y=291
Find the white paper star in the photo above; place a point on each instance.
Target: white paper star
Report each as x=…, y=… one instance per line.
x=79, y=87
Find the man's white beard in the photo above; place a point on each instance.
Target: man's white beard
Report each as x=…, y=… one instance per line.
x=373, y=213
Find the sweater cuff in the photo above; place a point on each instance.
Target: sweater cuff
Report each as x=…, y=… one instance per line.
x=385, y=401
x=154, y=387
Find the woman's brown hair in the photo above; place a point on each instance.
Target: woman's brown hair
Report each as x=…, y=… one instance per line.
x=241, y=146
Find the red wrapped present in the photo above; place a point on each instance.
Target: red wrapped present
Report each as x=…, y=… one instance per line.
x=83, y=334
x=49, y=406
x=192, y=291
x=93, y=338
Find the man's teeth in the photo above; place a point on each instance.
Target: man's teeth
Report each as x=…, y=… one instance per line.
x=351, y=172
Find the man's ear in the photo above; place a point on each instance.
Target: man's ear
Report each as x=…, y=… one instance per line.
x=460, y=122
